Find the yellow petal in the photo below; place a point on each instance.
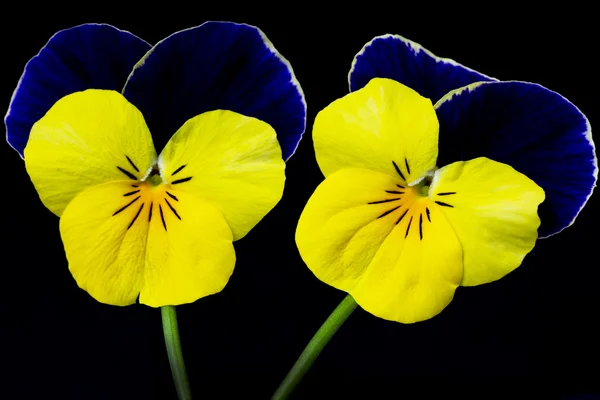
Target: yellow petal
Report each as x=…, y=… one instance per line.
x=230, y=160
x=85, y=139
x=366, y=233
x=187, y=258
x=165, y=246
x=385, y=127
x=493, y=210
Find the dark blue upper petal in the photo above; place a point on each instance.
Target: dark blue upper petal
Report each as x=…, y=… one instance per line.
x=218, y=65
x=89, y=56
x=536, y=131
x=394, y=57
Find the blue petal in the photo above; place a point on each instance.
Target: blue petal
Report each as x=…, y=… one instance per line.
x=87, y=56
x=536, y=131
x=217, y=65
x=400, y=59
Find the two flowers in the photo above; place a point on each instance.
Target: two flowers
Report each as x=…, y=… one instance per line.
x=420, y=195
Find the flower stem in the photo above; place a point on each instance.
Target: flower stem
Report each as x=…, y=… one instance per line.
x=314, y=347
x=171, y=332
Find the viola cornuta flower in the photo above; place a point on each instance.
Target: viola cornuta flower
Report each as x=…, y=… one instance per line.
x=434, y=174
x=91, y=111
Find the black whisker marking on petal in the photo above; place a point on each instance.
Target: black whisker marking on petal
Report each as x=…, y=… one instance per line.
x=400, y=186
x=427, y=211
x=179, y=169
x=181, y=180
x=408, y=227
x=150, y=212
x=387, y=212
x=132, y=164
x=172, y=209
x=127, y=205
x=136, y=215
x=129, y=174
x=172, y=196
x=421, y=226
x=446, y=193
x=383, y=201
x=402, y=216
x=441, y=203
x=134, y=185
x=406, y=163
x=162, y=217
x=398, y=171
x=394, y=192
x=131, y=193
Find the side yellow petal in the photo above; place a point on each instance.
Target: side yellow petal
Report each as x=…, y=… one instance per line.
x=362, y=233
x=85, y=139
x=105, y=250
x=230, y=160
x=166, y=246
x=190, y=252
x=493, y=210
x=385, y=127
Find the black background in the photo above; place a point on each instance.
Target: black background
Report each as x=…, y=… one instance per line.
x=534, y=332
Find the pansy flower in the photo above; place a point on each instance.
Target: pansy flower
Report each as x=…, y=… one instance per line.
x=156, y=158
x=433, y=178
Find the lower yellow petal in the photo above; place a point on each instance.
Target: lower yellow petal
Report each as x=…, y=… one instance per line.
x=123, y=240
x=370, y=235
x=187, y=258
x=232, y=161
x=493, y=210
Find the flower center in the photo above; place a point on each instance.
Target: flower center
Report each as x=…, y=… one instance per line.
x=423, y=186
x=154, y=178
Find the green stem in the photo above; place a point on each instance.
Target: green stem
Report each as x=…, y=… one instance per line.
x=171, y=332
x=314, y=347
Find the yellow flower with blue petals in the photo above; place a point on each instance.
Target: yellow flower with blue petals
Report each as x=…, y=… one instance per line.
x=224, y=110
x=434, y=174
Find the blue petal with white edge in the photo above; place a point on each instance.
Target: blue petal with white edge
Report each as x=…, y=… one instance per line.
x=535, y=130
x=89, y=56
x=217, y=65
x=395, y=57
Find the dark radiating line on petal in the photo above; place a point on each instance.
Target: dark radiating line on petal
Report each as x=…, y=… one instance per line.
x=406, y=163
x=126, y=205
x=178, y=169
x=441, y=203
x=181, y=180
x=172, y=209
x=408, y=227
x=172, y=196
x=129, y=174
x=132, y=164
x=394, y=192
x=446, y=193
x=136, y=215
x=400, y=186
x=150, y=212
x=162, y=216
x=387, y=212
x=398, y=171
x=134, y=185
x=383, y=201
x=421, y=226
x=131, y=193
x=402, y=216
x=427, y=211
